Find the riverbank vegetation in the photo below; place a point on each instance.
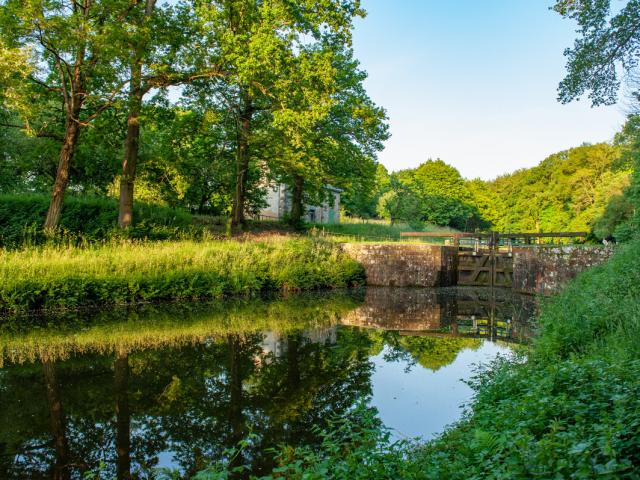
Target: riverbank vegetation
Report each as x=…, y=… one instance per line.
x=130, y=272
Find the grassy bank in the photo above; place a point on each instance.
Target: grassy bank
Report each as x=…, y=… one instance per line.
x=572, y=410
x=130, y=272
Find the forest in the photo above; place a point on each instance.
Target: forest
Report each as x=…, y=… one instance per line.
x=583, y=189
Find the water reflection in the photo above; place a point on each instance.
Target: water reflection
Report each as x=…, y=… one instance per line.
x=176, y=386
x=452, y=312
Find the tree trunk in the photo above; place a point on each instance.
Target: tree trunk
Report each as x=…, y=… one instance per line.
x=132, y=142
x=242, y=164
x=57, y=422
x=71, y=132
x=131, y=148
x=296, y=201
x=73, y=101
x=123, y=417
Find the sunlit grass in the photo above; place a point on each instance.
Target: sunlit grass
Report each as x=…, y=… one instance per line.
x=129, y=272
x=376, y=231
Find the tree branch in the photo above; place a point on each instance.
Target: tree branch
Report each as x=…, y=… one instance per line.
x=39, y=133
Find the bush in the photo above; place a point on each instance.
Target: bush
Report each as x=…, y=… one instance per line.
x=85, y=218
x=572, y=410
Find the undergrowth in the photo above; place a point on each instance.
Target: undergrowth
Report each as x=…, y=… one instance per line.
x=88, y=219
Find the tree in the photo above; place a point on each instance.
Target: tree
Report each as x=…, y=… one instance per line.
x=74, y=55
x=435, y=192
x=161, y=53
x=400, y=202
x=605, y=42
x=338, y=148
x=259, y=44
x=567, y=191
x=607, y=46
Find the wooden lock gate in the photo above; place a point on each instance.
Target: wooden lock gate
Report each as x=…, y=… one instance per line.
x=486, y=259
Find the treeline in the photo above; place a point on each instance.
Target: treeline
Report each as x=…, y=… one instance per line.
x=575, y=190
x=196, y=104
x=589, y=188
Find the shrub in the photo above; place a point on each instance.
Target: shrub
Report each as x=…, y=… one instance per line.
x=85, y=218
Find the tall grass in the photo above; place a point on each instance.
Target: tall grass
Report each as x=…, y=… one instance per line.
x=130, y=272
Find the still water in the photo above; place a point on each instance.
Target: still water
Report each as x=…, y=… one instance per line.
x=177, y=385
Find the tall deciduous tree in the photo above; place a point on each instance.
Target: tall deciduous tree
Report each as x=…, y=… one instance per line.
x=161, y=52
x=74, y=46
x=608, y=46
x=336, y=148
x=259, y=41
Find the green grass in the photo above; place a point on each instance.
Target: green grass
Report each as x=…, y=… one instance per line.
x=571, y=410
x=352, y=230
x=130, y=272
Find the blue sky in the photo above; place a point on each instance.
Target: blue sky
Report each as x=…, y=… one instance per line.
x=474, y=83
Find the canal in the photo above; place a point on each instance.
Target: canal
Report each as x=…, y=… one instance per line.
x=176, y=386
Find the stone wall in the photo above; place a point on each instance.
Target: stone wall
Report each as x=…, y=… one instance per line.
x=545, y=270
x=406, y=265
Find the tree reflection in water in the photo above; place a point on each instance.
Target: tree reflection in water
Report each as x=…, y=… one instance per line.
x=165, y=396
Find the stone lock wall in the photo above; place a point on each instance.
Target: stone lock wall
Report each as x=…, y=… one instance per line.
x=406, y=265
x=545, y=270
x=536, y=270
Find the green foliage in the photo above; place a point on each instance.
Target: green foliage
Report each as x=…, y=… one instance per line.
x=568, y=191
x=361, y=200
x=607, y=48
x=623, y=214
x=430, y=352
x=618, y=212
x=434, y=192
x=606, y=42
x=127, y=272
x=86, y=219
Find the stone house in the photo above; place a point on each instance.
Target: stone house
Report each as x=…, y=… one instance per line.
x=279, y=205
